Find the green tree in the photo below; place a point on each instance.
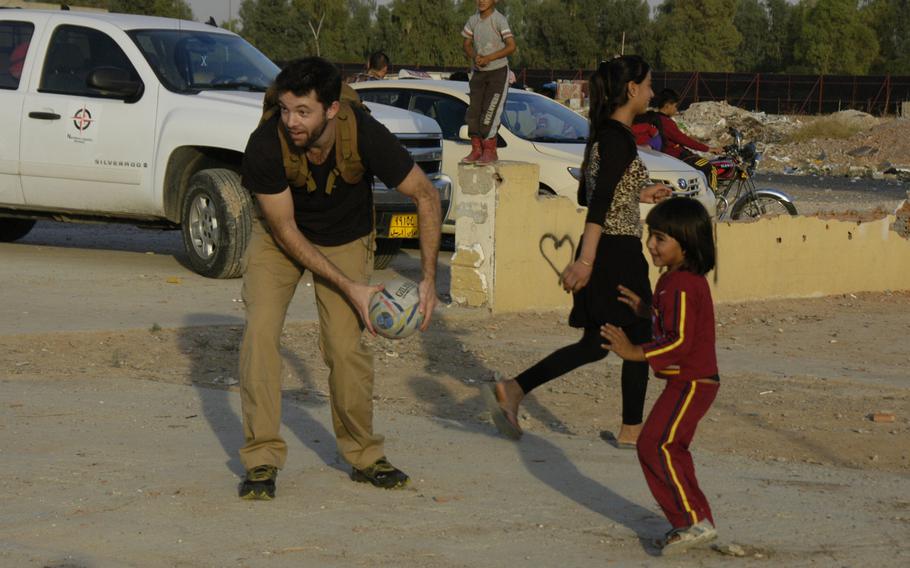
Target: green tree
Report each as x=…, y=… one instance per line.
x=835, y=39
x=891, y=21
x=624, y=26
x=166, y=8
x=697, y=35
x=780, y=38
x=560, y=34
x=358, y=36
x=427, y=31
x=752, y=21
x=268, y=25
x=83, y=3
x=324, y=25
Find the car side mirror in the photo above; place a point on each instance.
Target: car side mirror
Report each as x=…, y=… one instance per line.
x=115, y=82
x=463, y=132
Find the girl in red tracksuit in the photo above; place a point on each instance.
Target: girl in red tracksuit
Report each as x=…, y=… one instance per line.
x=682, y=352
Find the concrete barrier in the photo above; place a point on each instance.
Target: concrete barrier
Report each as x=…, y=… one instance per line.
x=511, y=245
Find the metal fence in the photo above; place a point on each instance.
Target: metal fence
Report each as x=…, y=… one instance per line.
x=769, y=92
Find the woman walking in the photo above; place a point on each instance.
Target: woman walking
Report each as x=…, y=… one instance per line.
x=614, y=181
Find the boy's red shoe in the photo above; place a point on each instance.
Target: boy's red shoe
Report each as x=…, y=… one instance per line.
x=489, y=151
x=476, y=151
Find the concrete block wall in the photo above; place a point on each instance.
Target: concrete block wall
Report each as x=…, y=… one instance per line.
x=511, y=245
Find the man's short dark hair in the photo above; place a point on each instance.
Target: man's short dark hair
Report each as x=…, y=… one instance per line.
x=311, y=75
x=378, y=60
x=666, y=96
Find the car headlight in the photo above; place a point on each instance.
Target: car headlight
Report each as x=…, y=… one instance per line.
x=576, y=173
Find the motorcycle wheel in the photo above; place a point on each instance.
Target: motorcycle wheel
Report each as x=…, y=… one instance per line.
x=758, y=205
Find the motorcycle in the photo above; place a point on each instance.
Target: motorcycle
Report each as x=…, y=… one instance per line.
x=737, y=196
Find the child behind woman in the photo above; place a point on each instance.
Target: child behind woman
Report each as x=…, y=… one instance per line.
x=682, y=352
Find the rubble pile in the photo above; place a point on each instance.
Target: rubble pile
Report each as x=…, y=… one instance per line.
x=880, y=148
x=711, y=121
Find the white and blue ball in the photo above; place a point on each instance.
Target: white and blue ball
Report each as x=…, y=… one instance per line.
x=394, y=310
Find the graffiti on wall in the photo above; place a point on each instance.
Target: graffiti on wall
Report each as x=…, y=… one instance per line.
x=552, y=251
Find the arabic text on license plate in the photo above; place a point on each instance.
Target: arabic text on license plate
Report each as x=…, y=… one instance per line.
x=403, y=227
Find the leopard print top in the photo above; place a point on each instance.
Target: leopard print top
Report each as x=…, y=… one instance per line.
x=624, y=216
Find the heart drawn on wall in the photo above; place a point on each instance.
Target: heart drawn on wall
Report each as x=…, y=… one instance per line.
x=550, y=246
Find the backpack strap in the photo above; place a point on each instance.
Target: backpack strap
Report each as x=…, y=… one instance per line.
x=347, y=153
x=348, y=163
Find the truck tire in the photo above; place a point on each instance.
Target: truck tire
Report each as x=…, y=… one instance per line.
x=14, y=229
x=386, y=249
x=215, y=220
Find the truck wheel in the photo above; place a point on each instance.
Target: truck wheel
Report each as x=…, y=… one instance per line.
x=386, y=249
x=215, y=220
x=14, y=229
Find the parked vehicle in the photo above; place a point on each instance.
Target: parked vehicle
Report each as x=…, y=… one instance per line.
x=125, y=118
x=534, y=129
x=737, y=196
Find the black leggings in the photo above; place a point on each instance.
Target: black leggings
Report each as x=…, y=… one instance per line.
x=588, y=350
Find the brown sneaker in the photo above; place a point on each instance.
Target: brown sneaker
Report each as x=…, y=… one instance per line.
x=259, y=483
x=381, y=474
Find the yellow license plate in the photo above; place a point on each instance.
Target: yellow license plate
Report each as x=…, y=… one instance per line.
x=403, y=226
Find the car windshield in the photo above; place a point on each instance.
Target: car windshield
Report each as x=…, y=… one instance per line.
x=539, y=119
x=192, y=61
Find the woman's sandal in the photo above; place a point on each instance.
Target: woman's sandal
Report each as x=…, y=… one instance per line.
x=505, y=421
x=610, y=438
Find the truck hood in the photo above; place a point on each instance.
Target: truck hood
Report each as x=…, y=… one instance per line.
x=241, y=98
x=400, y=121
x=397, y=120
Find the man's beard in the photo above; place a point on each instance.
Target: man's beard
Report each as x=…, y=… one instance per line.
x=315, y=135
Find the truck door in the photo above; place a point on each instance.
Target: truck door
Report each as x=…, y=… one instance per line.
x=15, y=39
x=87, y=146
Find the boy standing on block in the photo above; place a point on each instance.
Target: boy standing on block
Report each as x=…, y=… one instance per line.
x=488, y=42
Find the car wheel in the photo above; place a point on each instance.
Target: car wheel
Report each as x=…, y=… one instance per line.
x=14, y=229
x=215, y=222
x=386, y=249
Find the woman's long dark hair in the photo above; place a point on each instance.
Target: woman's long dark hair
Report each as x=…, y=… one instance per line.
x=607, y=91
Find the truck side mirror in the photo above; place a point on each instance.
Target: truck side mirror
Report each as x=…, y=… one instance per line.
x=115, y=82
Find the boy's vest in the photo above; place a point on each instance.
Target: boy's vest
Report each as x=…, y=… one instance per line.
x=348, y=164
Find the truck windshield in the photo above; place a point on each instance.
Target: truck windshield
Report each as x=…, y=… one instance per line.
x=192, y=61
x=539, y=119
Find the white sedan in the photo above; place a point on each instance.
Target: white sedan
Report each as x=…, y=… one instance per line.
x=535, y=129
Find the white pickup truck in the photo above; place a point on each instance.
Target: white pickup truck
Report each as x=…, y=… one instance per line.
x=112, y=117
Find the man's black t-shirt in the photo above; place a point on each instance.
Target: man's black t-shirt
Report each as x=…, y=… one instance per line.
x=345, y=214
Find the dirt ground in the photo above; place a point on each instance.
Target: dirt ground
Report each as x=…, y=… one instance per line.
x=800, y=471
x=801, y=379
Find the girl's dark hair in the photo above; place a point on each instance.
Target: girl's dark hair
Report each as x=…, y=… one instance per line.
x=607, y=91
x=607, y=85
x=311, y=75
x=666, y=96
x=687, y=221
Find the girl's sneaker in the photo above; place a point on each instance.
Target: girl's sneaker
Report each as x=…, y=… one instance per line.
x=679, y=540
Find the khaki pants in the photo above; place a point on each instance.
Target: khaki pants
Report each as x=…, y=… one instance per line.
x=269, y=282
